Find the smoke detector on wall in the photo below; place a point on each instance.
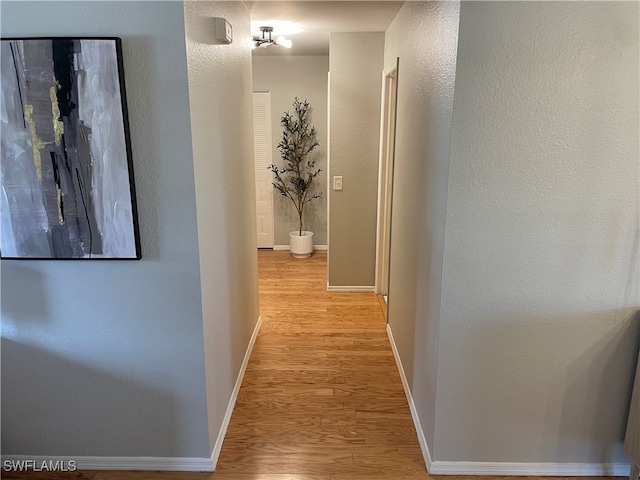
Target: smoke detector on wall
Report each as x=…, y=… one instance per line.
x=265, y=40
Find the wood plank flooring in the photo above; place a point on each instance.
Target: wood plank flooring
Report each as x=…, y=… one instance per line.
x=321, y=398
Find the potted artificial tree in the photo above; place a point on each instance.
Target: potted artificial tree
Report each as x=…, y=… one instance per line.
x=295, y=178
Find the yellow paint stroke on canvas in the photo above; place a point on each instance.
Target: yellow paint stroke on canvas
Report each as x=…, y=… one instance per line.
x=60, y=217
x=36, y=143
x=58, y=126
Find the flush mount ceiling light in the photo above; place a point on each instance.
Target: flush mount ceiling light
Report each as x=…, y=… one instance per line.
x=280, y=27
x=266, y=39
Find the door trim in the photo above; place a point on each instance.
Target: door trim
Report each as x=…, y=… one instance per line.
x=388, y=115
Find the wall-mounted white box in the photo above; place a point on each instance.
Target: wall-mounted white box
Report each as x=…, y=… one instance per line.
x=224, y=30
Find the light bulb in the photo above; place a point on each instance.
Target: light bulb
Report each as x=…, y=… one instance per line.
x=284, y=42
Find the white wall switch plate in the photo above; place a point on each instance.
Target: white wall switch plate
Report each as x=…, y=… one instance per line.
x=224, y=30
x=337, y=183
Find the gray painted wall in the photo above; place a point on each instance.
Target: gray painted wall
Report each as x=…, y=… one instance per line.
x=107, y=358
x=424, y=35
x=540, y=278
x=355, y=63
x=221, y=112
x=286, y=78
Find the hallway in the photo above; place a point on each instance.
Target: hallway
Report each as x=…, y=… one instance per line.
x=321, y=397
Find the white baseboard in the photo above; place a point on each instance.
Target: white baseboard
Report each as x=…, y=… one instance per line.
x=426, y=454
x=174, y=464
x=357, y=288
x=530, y=469
x=234, y=396
x=286, y=247
x=436, y=467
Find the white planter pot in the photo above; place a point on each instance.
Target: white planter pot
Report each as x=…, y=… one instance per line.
x=301, y=246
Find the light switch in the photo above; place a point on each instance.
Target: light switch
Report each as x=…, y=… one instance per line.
x=337, y=183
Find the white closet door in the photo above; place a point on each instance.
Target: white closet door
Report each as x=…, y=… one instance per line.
x=264, y=177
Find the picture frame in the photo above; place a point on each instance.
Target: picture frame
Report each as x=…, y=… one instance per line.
x=66, y=169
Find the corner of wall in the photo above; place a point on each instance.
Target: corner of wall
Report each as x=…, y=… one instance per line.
x=222, y=135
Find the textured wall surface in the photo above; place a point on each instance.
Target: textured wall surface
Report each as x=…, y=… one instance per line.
x=221, y=120
x=286, y=78
x=356, y=63
x=424, y=36
x=106, y=358
x=540, y=280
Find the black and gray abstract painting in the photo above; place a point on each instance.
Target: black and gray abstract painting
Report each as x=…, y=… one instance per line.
x=65, y=171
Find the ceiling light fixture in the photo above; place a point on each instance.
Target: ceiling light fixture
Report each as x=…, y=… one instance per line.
x=266, y=39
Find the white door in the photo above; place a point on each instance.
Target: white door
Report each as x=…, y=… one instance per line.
x=264, y=177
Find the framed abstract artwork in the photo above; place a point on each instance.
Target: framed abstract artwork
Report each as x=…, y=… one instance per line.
x=65, y=167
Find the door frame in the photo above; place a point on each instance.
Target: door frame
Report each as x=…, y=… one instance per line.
x=385, y=175
x=328, y=173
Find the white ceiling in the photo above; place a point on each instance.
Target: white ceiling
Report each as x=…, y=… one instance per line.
x=317, y=19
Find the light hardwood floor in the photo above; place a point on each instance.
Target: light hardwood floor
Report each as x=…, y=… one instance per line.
x=321, y=397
